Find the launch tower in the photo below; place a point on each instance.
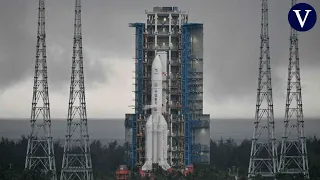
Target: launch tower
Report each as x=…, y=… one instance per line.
x=76, y=163
x=263, y=156
x=293, y=157
x=167, y=29
x=40, y=152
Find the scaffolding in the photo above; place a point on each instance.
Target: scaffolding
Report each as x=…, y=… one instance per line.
x=185, y=69
x=136, y=153
x=195, y=122
x=180, y=117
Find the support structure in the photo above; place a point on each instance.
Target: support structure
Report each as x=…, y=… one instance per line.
x=76, y=163
x=40, y=152
x=195, y=125
x=185, y=100
x=133, y=122
x=167, y=29
x=263, y=156
x=293, y=157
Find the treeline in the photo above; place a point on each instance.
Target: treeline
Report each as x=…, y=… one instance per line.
x=225, y=156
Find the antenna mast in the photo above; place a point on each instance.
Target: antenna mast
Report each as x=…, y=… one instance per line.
x=263, y=157
x=293, y=157
x=76, y=163
x=40, y=152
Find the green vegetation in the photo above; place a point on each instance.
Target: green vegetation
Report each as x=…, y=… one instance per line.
x=106, y=159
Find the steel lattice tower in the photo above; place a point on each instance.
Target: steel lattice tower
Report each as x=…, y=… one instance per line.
x=293, y=157
x=76, y=163
x=263, y=157
x=40, y=152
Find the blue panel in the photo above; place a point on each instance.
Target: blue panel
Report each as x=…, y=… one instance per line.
x=185, y=62
x=186, y=99
x=200, y=124
x=200, y=158
x=138, y=93
x=196, y=148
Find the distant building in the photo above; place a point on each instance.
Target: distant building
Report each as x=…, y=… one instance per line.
x=167, y=29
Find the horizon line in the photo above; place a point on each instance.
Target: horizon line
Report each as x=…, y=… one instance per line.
x=115, y=119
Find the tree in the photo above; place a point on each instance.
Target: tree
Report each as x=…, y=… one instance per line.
x=107, y=158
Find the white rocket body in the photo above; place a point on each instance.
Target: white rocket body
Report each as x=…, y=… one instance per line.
x=156, y=143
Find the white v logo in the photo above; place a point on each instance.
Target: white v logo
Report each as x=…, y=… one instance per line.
x=299, y=17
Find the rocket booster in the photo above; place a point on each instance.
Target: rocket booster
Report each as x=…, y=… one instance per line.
x=156, y=143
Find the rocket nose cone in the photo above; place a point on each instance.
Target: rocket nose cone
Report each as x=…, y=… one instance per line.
x=157, y=62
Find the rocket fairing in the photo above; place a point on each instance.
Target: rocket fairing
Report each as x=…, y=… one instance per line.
x=156, y=142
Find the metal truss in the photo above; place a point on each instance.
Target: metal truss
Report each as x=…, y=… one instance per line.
x=40, y=152
x=263, y=156
x=76, y=163
x=293, y=157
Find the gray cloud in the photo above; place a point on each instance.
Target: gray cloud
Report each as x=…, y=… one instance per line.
x=18, y=32
x=60, y=67
x=231, y=45
x=15, y=50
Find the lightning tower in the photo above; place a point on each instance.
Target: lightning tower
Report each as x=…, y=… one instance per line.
x=40, y=153
x=263, y=157
x=293, y=157
x=76, y=163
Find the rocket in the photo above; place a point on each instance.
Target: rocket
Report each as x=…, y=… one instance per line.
x=156, y=141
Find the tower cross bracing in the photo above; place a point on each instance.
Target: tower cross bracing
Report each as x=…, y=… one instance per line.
x=293, y=156
x=40, y=152
x=76, y=163
x=263, y=156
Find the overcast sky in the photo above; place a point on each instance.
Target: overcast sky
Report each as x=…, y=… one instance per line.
x=231, y=53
